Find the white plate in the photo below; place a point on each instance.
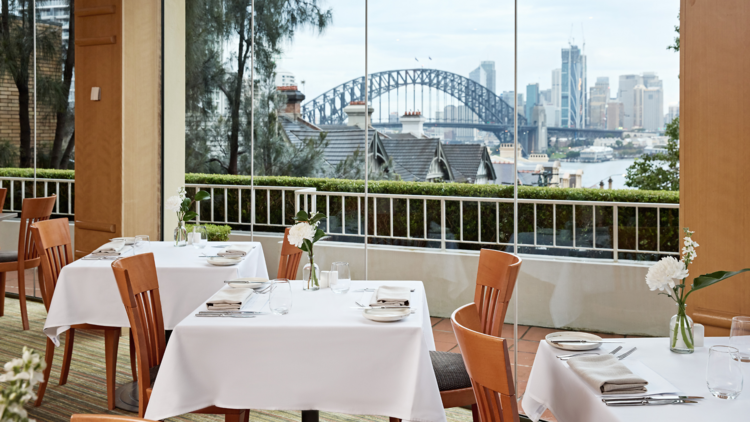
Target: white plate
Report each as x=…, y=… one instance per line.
x=386, y=314
x=252, y=282
x=127, y=240
x=574, y=335
x=224, y=262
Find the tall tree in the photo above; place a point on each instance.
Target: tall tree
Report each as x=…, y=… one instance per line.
x=16, y=49
x=58, y=157
x=659, y=171
x=276, y=21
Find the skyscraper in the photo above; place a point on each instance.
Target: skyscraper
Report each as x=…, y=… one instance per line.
x=556, y=100
x=642, y=98
x=614, y=115
x=598, y=103
x=653, y=109
x=532, y=98
x=485, y=75
x=674, y=112
x=626, y=95
x=573, y=88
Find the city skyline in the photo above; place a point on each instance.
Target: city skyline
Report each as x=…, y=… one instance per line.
x=484, y=32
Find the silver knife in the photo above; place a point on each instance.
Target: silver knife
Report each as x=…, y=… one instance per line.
x=626, y=354
x=652, y=397
x=226, y=315
x=578, y=341
x=649, y=402
x=233, y=312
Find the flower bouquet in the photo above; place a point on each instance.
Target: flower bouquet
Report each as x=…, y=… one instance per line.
x=303, y=235
x=668, y=276
x=181, y=204
x=21, y=375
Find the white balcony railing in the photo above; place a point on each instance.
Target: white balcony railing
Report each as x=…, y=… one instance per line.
x=24, y=187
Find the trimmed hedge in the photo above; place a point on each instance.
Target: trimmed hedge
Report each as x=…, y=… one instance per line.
x=40, y=173
x=216, y=233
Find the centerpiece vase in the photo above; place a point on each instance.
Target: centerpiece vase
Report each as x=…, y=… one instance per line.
x=180, y=235
x=311, y=274
x=681, y=331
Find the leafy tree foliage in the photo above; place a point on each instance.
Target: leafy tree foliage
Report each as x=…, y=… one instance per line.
x=658, y=171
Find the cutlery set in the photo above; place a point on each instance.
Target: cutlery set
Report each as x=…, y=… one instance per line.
x=230, y=314
x=621, y=357
x=651, y=400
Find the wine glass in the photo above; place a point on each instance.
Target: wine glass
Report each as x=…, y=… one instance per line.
x=340, y=278
x=280, y=300
x=739, y=336
x=141, y=241
x=724, y=374
x=200, y=237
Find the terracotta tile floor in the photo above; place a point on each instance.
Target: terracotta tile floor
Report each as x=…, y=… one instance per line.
x=11, y=283
x=528, y=343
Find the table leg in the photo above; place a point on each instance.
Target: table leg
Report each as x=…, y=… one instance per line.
x=126, y=395
x=310, y=416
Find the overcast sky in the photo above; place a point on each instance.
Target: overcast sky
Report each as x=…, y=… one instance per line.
x=620, y=38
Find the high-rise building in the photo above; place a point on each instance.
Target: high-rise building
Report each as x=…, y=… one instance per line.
x=532, y=98
x=556, y=89
x=573, y=88
x=598, y=103
x=285, y=78
x=545, y=96
x=653, y=109
x=614, y=115
x=642, y=97
x=673, y=113
x=485, y=75
x=626, y=95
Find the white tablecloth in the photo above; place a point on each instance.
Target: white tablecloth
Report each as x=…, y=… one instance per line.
x=86, y=291
x=323, y=355
x=555, y=386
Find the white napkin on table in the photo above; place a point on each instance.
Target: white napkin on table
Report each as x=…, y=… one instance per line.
x=110, y=249
x=233, y=251
x=607, y=375
x=391, y=296
x=229, y=299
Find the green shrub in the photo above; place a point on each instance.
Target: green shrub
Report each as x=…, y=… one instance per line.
x=215, y=233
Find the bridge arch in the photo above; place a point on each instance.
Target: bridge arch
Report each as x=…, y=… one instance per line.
x=328, y=108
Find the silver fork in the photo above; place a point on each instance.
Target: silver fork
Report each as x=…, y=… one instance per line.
x=566, y=357
x=617, y=349
x=626, y=354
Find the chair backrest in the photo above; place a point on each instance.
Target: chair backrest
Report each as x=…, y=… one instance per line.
x=139, y=289
x=496, y=279
x=289, y=260
x=488, y=363
x=32, y=211
x=3, y=192
x=52, y=240
x=105, y=418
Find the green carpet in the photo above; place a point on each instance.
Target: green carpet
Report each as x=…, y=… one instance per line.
x=85, y=391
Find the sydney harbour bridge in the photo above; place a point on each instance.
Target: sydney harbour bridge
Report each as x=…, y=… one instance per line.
x=491, y=113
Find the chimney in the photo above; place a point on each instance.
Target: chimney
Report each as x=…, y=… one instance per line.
x=356, y=114
x=412, y=122
x=293, y=100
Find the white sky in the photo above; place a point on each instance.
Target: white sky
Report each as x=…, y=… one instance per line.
x=621, y=38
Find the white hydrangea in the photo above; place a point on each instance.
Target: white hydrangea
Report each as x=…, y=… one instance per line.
x=174, y=203
x=667, y=272
x=21, y=375
x=301, y=231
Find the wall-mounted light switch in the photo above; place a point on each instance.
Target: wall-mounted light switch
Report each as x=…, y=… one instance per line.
x=96, y=93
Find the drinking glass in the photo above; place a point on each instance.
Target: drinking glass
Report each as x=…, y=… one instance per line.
x=739, y=336
x=280, y=301
x=340, y=278
x=141, y=242
x=724, y=374
x=200, y=237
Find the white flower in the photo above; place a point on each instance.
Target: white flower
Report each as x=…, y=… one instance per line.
x=181, y=193
x=174, y=203
x=301, y=231
x=667, y=272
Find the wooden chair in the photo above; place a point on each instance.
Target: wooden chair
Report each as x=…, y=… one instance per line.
x=26, y=257
x=52, y=240
x=139, y=288
x=496, y=279
x=106, y=418
x=289, y=260
x=488, y=364
x=3, y=193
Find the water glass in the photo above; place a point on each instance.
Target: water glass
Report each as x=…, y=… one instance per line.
x=280, y=301
x=200, y=237
x=340, y=278
x=141, y=242
x=739, y=336
x=724, y=373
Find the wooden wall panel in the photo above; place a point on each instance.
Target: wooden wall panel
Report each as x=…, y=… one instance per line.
x=714, y=152
x=98, y=124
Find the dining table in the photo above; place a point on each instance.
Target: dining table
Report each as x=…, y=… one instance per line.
x=553, y=385
x=323, y=355
x=7, y=215
x=87, y=293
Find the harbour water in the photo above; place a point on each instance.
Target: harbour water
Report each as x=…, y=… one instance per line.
x=593, y=173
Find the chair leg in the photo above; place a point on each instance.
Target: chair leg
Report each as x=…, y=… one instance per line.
x=22, y=298
x=49, y=356
x=2, y=294
x=394, y=420
x=133, y=362
x=475, y=413
x=70, y=336
x=245, y=416
x=111, y=341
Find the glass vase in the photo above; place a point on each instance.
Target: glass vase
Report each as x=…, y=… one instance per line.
x=681, y=332
x=180, y=235
x=310, y=276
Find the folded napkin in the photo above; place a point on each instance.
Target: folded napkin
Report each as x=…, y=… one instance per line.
x=229, y=299
x=607, y=375
x=233, y=251
x=391, y=296
x=110, y=249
